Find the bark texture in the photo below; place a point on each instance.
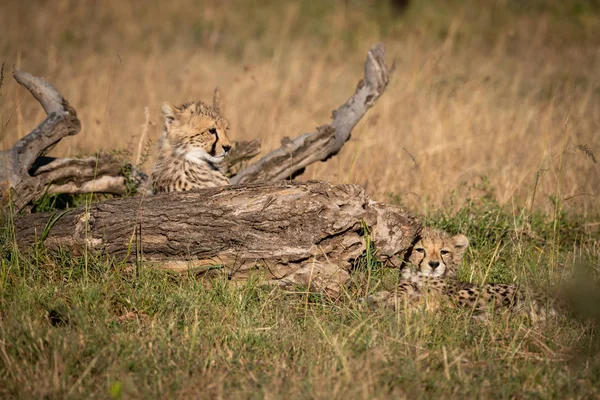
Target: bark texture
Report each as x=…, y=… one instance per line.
x=292, y=233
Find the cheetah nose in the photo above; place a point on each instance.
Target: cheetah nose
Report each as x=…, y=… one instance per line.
x=434, y=264
x=226, y=148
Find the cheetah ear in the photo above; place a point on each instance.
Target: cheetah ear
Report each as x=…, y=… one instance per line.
x=169, y=111
x=461, y=242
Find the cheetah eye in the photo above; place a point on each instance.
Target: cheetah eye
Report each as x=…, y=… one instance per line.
x=213, y=131
x=420, y=250
x=444, y=252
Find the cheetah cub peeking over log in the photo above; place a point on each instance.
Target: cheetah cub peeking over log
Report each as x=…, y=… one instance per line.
x=430, y=274
x=193, y=144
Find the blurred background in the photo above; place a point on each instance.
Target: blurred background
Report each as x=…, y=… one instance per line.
x=489, y=97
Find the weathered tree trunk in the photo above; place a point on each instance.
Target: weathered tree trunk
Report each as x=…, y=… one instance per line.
x=294, y=233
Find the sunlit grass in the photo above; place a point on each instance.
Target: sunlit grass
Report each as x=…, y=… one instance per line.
x=75, y=327
x=489, y=128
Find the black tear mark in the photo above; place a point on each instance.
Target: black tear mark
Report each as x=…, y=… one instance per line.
x=213, y=148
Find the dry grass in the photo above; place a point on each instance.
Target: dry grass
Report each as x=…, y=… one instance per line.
x=500, y=89
x=473, y=95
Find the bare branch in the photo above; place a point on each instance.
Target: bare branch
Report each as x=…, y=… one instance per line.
x=294, y=155
x=103, y=174
x=44, y=92
x=42, y=139
x=377, y=77
x=62, y=121
x=103, y=184
x=16, y=163
x=242, y=151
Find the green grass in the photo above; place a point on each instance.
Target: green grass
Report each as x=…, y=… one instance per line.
x=71, y=328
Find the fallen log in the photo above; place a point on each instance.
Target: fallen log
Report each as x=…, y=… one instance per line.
x=307, y=234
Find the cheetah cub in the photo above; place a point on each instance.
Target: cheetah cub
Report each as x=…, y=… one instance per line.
x=436, y=253
x=192, y=145
x=431, y=274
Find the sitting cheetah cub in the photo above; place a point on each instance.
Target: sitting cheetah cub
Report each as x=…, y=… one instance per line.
x=192, y=145
x=431, y=273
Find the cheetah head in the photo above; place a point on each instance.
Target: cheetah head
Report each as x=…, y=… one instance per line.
x=436, y=253
x=196, y=132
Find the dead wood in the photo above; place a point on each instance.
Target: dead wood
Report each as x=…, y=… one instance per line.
x=291, y=233
x=16, y=163
x=26, y=176
x=295, y=155
x=100, y=174
x=241, y=151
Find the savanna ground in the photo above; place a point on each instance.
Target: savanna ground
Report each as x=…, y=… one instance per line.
x=490, y=127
